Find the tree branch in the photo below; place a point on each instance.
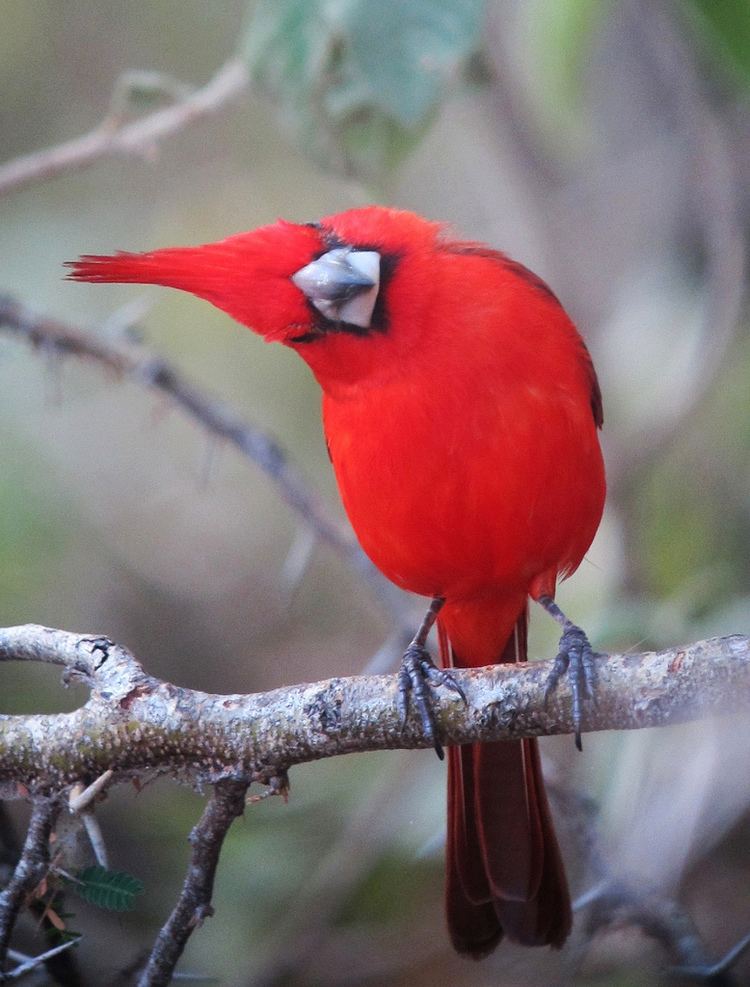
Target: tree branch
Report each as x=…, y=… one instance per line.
x=30, y=870
x=134, y=724
x=255, y=444
x=115, y=137
x=227, y=802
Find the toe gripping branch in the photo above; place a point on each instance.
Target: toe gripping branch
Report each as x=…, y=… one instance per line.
x=575, y=658
x=419, y=674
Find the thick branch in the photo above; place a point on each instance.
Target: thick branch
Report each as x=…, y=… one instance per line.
x=133, y=723
x=113, y=137
x=194, y=904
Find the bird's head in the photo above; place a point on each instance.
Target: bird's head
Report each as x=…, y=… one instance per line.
x=338, y=291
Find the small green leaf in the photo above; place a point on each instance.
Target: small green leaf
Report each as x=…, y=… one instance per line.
x=115, y=891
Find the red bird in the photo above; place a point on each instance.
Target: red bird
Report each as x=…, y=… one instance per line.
x=461, y=411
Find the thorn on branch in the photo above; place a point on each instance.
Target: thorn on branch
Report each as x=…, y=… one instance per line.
x=81, y=803
x=277, y=785
x=297, y=561
x=81, y=798
x=202, y=912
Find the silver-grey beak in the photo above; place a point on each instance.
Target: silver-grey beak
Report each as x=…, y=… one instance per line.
x=342, y=284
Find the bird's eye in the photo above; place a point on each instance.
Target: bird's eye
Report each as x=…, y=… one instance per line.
x=342, y=284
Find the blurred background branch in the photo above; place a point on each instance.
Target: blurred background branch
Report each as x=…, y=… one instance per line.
x=56, y=339
x=118, y=135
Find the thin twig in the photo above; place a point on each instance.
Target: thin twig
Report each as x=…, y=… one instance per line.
x=226, y=803
x=255, y=444
x=113, y=137
x=663, y=919
x=82, y=798
x=30, y=869
x=29, y=963
x=610, y=901
x=81, y=801
x=61, y=966
x=715, y=973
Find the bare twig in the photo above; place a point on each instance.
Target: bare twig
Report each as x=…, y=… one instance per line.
x=715, y=973
x=194, y=904
x=82, y=798
x=660, y=917
x=81, y=803
x=611, y=901
x=115, y=137
x=219, y=420
x=30, y=869
x=28, y=963
x=135, y=724
x=61, y=965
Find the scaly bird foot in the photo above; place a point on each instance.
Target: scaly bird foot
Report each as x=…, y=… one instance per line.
x=419, y=674
x=575, y=658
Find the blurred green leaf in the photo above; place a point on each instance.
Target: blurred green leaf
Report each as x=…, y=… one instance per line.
x=724, y=25
x=359, y=82
x=404, y=53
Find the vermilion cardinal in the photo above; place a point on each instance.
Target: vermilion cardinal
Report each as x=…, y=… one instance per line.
x=461, y=409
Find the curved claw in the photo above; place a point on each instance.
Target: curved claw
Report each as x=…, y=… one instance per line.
x=418, y=675
x=575, y=658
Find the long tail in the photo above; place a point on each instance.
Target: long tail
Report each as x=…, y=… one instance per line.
x=505, y=875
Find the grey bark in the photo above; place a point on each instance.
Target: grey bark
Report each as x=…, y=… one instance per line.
x=134, y=724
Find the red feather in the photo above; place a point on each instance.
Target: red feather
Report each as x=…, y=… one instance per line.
x=463, y=432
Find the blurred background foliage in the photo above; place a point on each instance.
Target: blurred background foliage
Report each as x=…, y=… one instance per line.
x=605, y=143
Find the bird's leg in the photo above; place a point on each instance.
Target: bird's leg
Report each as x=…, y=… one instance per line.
x=419, y=672
x=576, y=658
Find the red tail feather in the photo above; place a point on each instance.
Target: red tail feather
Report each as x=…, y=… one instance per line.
x=505, y=875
